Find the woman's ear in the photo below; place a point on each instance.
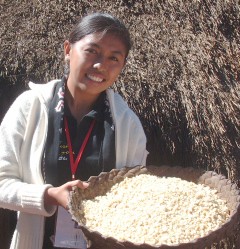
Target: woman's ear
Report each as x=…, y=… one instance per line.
x=67, y=48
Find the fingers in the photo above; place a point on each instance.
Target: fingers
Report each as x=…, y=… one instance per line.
x=79, y=184
x=60, y=195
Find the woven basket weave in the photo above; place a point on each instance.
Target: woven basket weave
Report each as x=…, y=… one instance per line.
x=226, y=236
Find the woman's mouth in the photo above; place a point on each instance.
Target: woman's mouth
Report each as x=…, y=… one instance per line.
x=95, y=78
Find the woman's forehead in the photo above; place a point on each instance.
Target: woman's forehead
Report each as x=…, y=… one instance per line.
x=107, y=40
x=100, y=36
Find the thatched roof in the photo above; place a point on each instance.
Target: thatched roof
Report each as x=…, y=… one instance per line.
x=182, y=78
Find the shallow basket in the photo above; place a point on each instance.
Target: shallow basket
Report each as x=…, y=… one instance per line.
x=226, y=236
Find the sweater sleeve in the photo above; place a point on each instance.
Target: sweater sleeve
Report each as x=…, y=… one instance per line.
x=136, y=153
x=21, y=185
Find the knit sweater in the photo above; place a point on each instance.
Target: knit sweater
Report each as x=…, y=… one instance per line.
x=23, y=134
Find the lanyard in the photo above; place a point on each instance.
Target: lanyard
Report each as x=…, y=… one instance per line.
x=74, y=164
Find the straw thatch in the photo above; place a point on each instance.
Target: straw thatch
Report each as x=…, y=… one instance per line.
x=182, y=78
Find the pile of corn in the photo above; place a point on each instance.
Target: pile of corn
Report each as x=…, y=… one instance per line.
x=156, y=210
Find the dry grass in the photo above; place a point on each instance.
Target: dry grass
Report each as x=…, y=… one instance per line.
x=182, y=78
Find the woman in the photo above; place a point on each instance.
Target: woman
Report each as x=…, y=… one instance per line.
x=56, y=135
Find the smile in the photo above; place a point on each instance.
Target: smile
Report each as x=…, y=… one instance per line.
x=95, y=78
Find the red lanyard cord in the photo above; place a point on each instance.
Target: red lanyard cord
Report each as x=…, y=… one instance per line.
x=74, y=164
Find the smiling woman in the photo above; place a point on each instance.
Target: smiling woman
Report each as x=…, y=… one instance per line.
x=56, y=135
x=95, y=61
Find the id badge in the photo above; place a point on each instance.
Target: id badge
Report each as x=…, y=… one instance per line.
x=67, y=233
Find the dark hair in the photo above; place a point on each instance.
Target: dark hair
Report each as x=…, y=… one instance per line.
x=100, y=23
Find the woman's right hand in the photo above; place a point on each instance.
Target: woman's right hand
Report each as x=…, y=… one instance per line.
x=60, y=195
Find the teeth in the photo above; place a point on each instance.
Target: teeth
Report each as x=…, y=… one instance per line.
x=92, y=77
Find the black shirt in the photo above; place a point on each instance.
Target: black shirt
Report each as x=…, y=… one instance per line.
x=94, y=159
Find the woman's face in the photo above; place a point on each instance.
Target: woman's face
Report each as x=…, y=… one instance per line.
x=95, y=62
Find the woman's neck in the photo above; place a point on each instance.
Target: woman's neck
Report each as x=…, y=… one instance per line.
x=79, y=103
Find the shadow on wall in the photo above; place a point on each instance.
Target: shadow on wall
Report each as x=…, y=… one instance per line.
x=8, y=222
x=8, y=93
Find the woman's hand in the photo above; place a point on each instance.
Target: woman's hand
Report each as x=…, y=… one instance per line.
x=60, y=195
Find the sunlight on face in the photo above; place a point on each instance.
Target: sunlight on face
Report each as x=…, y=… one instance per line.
x=95, y=62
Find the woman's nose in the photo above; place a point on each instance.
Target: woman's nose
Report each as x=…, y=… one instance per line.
x=100, y=64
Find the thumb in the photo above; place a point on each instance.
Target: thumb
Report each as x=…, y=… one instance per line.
x=79, y=184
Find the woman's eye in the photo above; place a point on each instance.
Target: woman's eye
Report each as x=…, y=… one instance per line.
x=114, y=58
x=90, y=50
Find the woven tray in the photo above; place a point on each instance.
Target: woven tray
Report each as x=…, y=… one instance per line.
x=224, y=237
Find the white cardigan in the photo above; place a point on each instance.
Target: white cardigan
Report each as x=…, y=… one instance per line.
x=22, y=138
